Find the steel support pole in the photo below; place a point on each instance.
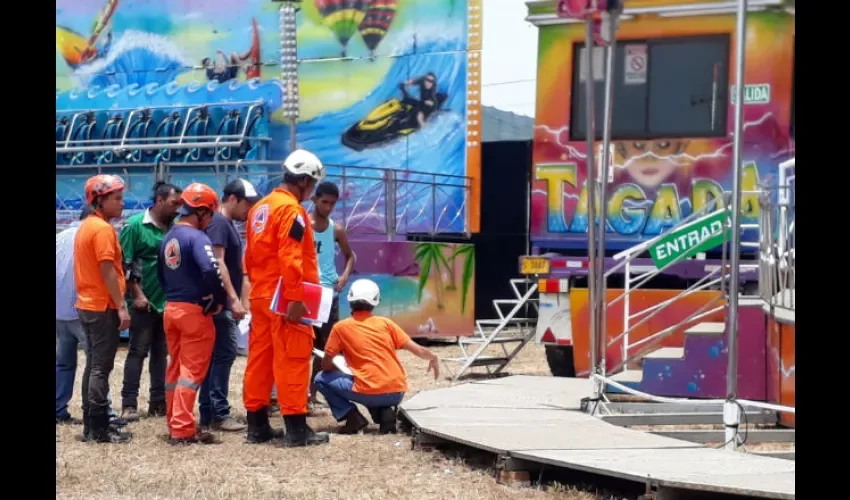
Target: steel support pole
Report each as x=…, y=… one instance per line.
x=731, y=413
x=601, y=285
x=289, y=67
x=590, y=106
x=293, y=143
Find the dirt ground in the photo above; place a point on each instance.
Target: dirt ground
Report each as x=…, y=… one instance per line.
x=363, y=467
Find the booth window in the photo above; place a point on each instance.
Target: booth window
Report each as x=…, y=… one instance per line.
x=668, y=87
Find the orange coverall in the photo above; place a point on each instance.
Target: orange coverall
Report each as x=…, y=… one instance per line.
x=279, y=244
x=190, y=336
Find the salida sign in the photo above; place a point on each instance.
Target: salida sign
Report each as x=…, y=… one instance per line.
x=632, y=211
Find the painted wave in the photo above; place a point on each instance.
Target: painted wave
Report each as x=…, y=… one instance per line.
x=439, y=148
x=137, y=58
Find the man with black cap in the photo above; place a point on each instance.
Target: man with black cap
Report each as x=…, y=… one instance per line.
x=238, y=198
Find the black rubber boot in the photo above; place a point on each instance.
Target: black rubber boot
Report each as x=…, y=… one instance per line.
x=86, y=427
x=354, y=422
x=101, y=432
x=298, y=433
x=387, y=421
x=259, y=428
x=156, y=410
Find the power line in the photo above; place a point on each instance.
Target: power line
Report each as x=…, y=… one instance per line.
x=508, y=83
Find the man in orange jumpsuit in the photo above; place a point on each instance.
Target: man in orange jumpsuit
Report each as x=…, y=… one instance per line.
x=280, y=246
x=194, y=292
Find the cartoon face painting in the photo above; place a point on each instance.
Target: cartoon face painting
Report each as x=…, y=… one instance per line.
x=650, y=163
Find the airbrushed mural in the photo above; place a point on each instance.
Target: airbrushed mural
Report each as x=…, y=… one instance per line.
x=427, y=288
x=658, y=179
x=384, y=84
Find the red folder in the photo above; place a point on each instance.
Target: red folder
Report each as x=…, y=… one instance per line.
x=317, y=299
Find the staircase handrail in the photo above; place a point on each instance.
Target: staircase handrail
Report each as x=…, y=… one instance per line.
x=631, y=253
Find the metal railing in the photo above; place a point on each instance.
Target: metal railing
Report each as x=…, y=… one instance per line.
x=716, y=279
x=777, y=242
x=373, y=201
x=631, y=350
x=131, y=146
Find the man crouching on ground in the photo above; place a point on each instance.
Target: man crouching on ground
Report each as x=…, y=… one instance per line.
x=369, y=345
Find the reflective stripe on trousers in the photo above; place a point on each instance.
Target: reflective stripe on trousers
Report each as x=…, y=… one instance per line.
x=190, y=336
x=279, y=354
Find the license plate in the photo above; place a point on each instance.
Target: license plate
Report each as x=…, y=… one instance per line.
x=534, y=265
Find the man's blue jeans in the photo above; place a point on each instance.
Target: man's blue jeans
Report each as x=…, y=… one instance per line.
x=336, y=387
x=69, y=335
x=212, y=399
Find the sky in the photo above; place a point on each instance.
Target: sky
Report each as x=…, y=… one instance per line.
x=509, y=67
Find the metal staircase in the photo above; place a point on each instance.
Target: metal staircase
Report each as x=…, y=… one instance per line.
x=510, y=331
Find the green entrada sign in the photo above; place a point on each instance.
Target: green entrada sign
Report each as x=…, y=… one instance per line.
x=690, y=239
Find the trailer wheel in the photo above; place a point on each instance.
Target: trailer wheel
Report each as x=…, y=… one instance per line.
x=560, y=360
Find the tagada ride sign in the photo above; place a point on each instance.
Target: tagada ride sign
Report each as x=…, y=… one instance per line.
x=534, y=265
x=690, y=239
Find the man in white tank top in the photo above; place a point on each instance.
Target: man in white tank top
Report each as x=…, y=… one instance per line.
x=328, y=236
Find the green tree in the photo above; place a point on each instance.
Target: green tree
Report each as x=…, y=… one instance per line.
x=451, y=269
x=429, y=256
x=468, y=273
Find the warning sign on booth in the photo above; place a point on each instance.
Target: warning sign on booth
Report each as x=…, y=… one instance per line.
x=636, y=63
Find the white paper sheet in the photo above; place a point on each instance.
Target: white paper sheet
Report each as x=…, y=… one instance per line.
x=339, y=362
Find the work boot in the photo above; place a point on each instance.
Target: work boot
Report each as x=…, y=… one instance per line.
x=101, y=432
x=130, y=414
x=259, y=429
x=229, y=424
x=298, y=433
x=115, y=421
x=156, y=410
x=202, y=437
x=68, y=420
x=387, y=420
x=86, y=427
x=354, y=422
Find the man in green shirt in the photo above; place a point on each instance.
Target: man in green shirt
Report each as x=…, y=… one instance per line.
x=140, y=240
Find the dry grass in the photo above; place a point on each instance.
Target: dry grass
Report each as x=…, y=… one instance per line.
x=367, y=467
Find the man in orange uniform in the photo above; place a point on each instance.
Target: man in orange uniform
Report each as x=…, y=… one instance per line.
x=99, y=276
x=368, y=343
x=194, y=293
x=280, y=246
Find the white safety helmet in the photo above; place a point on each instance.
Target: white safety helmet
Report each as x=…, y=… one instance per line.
x=303, y=162
x=364, y=290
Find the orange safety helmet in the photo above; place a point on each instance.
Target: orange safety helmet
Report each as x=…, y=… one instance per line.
x=198, y=195
x=102, y=185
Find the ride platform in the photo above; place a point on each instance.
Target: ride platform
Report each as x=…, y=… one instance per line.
x=538, y=421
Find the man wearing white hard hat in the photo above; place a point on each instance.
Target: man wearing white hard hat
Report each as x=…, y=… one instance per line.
x=280, y=251
x=369, y=344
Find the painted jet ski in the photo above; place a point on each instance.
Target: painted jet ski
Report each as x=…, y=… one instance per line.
x=393, y=119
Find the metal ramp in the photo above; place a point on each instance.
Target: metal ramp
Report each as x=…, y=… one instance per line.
x=510, y=331
x=536, y=423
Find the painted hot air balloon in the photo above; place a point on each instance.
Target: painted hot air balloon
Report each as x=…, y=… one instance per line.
x=377, y=22
x=342, y=17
